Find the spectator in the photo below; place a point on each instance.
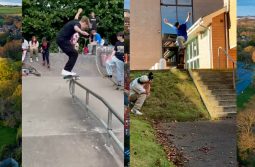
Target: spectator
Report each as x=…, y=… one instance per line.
x=97, y=40
x=33, y=44
x=25, y=47
x=117, y=60
x=93, y=21
x=139, y=91
x=45, y=51
x=9, y=163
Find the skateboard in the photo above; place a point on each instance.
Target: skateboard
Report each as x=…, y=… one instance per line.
x=30, y=70
x=70, y=77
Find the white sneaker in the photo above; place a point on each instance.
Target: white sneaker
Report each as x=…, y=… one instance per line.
x=73, y=73
x=31, y=60
x=135, y=111
x=37, y=59
x=65, y=73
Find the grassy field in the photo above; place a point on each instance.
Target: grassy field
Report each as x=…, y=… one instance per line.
x=10, y=10
x=8, y=136
x=173, y=98
x=245, y=97
x=144, y=149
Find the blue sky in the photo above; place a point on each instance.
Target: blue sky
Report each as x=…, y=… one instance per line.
x=245, y=7
x=11, y=2
x=127, y=4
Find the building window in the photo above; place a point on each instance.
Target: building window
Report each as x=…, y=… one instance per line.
x=184, y=2
x=175, y=10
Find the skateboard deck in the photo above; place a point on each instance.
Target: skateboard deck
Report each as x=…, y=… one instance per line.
x=68, y=77
x=30, y=70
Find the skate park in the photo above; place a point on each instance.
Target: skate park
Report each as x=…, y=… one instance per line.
x=59, y=129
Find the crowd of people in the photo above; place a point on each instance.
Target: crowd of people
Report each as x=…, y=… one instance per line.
x=68, y=42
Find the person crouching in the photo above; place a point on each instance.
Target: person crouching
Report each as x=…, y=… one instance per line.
x=139, y=91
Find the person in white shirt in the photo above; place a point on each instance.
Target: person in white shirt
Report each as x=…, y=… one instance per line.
x=139, y=91
x=25, y=47
x=33, y=44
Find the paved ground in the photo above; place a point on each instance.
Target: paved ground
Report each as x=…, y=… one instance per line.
x=57, y=131
x=204, y=143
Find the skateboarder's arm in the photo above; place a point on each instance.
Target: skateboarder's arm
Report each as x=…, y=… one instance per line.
x=78, y=14
x=77, y=29
x=188, y=17
x=167, y=23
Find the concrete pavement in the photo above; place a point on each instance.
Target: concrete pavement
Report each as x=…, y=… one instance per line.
x=56, y=130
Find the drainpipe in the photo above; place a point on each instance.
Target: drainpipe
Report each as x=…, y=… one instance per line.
x=227, y=5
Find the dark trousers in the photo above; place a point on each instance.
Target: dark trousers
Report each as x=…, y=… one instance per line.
x=68, y=49
x=45, y=56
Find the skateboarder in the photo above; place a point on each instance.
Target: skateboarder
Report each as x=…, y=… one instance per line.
x=64, y=37
x=139, y=91
x=181, y=30
x=117, y=59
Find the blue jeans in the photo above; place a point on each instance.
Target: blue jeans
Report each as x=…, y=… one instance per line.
x=9, y=163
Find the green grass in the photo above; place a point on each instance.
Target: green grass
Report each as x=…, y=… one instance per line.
x=245, y=97
x=174, y=97
x=10, y=10
x=8, y=136
x=145, y=152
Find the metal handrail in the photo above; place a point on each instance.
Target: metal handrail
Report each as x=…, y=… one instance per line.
x=111, y=111
x=228, y=58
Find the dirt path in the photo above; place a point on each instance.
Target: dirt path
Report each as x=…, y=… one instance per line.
x=202, y=143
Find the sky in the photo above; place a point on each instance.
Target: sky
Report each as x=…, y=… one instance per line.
x=11, y=2
x=245, y=8
x=127, y=4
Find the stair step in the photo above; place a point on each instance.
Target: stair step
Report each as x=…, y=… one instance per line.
x=226, y=102
x=225, y=97
x=213, y=76
x=224, y=114
x=216, y=86
x=227, y=109
x=220, y=91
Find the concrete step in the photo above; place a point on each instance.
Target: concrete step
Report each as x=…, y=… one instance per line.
x=219, y=91
x=227, y=102
x=215, y=86
x=219, y=75
x=222, y=91
x=225, y=97
x=227, y=109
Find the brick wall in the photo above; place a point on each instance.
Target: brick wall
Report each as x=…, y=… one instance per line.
x=218, y=40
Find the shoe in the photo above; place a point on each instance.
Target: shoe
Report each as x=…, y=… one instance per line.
x=65, y=73
x=36, y=59
x=135, y=111
x=43, y=63
x=48, y=66
x=31, y=60
x=109, y=76
x=73, y=73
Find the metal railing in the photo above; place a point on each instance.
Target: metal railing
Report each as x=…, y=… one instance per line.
x=228, y=58
x=111, y=111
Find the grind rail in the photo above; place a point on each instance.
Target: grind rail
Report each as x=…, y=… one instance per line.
x=111, y=111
